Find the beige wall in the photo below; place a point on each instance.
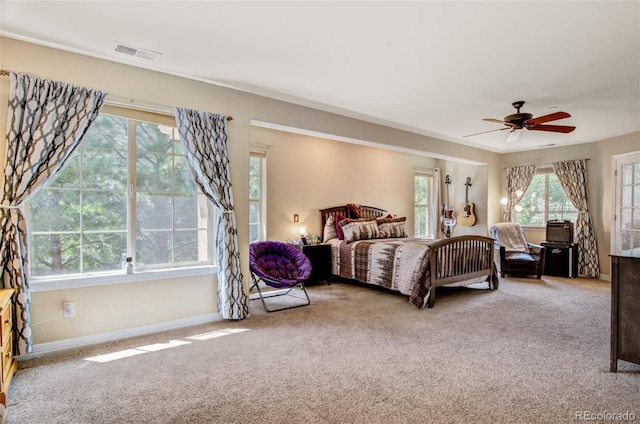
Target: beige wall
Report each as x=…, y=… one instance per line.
x=483, y=193
x=305, y=174
x=599, y=182
x=606, y=150
x=109, y=308
x=100, y=313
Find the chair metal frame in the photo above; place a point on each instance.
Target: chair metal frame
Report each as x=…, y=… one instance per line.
x=278, y=292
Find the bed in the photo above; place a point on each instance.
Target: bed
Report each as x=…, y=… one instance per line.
x=378, y=252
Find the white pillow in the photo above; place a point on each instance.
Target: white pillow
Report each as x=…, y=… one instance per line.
x=359, y=229
x=392, y=227
x=329, y=231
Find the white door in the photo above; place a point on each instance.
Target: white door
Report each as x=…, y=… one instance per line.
x=625, y=234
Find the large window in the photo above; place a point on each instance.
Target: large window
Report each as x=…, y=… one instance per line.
x=543, y=201
x=425, y=207
x=127, y=191
x=257, y=194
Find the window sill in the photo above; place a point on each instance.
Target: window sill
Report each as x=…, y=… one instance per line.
x=533, y=227
x=51, y=284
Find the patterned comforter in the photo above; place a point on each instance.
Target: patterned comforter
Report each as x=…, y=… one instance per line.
x=397, y=264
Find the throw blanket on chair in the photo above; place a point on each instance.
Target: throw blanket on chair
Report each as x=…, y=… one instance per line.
x=511, y=236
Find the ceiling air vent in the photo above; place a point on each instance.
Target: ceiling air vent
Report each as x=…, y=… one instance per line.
x=135, y=51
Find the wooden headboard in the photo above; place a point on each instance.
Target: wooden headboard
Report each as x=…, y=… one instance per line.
x=367, y=212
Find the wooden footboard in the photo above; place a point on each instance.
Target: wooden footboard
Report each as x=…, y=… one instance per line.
x=461, y=258
x=452, y=260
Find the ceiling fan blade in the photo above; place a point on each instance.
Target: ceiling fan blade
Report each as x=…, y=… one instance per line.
x=547, y=118
x=484, y=132
x=513, y=135
x=494, y=120
x=552, y=128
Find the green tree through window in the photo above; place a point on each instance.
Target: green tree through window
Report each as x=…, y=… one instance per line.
x=87, y=220
x=544, y=200
x=424, y=208
x=257, y=161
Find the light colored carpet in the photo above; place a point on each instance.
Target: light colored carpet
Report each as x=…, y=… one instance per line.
x=534, y=351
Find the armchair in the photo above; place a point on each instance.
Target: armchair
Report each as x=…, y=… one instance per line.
x=517, y=256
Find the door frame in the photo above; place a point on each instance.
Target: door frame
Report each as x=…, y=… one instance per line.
x=616, y=163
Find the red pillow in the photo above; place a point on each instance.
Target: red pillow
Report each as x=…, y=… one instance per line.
x=339, y=218
x=354, y=210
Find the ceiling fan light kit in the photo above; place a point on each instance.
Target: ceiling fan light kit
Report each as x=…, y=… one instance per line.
x=513, y=136
x=520, y=120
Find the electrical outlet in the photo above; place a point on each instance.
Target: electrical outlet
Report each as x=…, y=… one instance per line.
x=69, y=309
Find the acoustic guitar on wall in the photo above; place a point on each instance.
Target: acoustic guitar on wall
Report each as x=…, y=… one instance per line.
x=467, y=215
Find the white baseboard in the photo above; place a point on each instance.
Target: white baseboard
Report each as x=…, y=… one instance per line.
x=57, y=346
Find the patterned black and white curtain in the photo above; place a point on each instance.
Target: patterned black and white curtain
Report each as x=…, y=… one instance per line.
x=573, y=177
x=204, y=137
x=518, y=180
x=46, y=122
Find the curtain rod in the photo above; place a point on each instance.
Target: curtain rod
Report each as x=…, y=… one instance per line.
x=129, y=102
x=544, y=165
x=139, y=104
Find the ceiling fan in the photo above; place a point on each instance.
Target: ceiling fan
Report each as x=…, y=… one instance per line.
x=518, y=121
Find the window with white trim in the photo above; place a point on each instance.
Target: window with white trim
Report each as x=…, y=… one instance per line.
x=127, y=191
x=257, y=195
x=543, y=201
x=625, y=234
x=425, y=205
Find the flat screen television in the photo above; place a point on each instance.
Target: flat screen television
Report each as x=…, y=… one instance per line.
x=559, y=231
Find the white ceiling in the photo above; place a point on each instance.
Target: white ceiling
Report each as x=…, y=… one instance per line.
x=432, y=67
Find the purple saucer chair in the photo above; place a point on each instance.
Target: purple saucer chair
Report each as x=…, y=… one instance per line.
x=281, y=266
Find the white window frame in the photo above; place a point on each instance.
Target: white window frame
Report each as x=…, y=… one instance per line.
x=617, y=162
x=262, y=200
x=91, y=279
x=545, y=170
x=433, y=198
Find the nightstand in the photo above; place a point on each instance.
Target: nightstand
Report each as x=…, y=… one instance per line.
x=320, y=257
